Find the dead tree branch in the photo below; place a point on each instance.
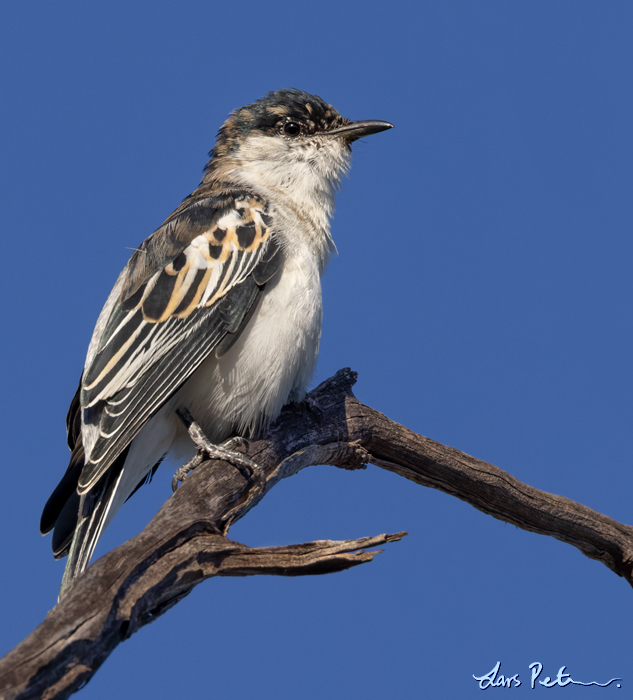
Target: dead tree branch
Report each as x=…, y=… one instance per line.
x=186, y=541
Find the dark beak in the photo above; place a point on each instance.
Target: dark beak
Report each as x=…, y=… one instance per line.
x=356, y=130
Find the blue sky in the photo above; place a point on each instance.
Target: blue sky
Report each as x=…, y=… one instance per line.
x=482, y=291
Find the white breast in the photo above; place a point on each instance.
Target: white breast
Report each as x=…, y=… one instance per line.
x=272, y=361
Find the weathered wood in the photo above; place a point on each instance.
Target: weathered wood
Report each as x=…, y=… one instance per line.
x=136, y=583
x=186, y=542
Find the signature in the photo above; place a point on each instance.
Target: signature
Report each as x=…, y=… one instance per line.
x=493, y=679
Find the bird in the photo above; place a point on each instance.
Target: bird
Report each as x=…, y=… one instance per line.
x=216, y=318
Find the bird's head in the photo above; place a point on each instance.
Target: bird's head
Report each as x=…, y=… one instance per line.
x=287, y=140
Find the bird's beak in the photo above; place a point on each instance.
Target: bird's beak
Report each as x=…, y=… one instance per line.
x=356, y=130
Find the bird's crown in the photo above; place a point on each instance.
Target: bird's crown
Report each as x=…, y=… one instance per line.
x=291, y=112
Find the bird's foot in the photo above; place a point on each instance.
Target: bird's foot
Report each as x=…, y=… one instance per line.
x=228, y=451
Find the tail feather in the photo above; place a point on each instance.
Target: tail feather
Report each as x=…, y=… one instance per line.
x=93, y=513
x=65, y=526
x=78, y=521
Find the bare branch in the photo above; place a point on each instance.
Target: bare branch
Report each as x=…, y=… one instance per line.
x=185, y=543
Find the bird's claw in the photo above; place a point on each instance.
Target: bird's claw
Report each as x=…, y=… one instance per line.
x=229, y=451
x=182, y=473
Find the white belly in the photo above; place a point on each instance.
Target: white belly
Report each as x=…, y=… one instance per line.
x=271, y=363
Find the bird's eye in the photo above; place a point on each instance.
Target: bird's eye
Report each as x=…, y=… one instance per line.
x=291, y=129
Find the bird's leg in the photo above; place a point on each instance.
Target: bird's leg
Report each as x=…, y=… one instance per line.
x=227, y=451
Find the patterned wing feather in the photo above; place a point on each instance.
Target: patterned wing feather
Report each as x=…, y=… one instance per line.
x=189, y=284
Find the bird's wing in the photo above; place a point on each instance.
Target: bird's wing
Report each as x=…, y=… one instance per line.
x=186, y=288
